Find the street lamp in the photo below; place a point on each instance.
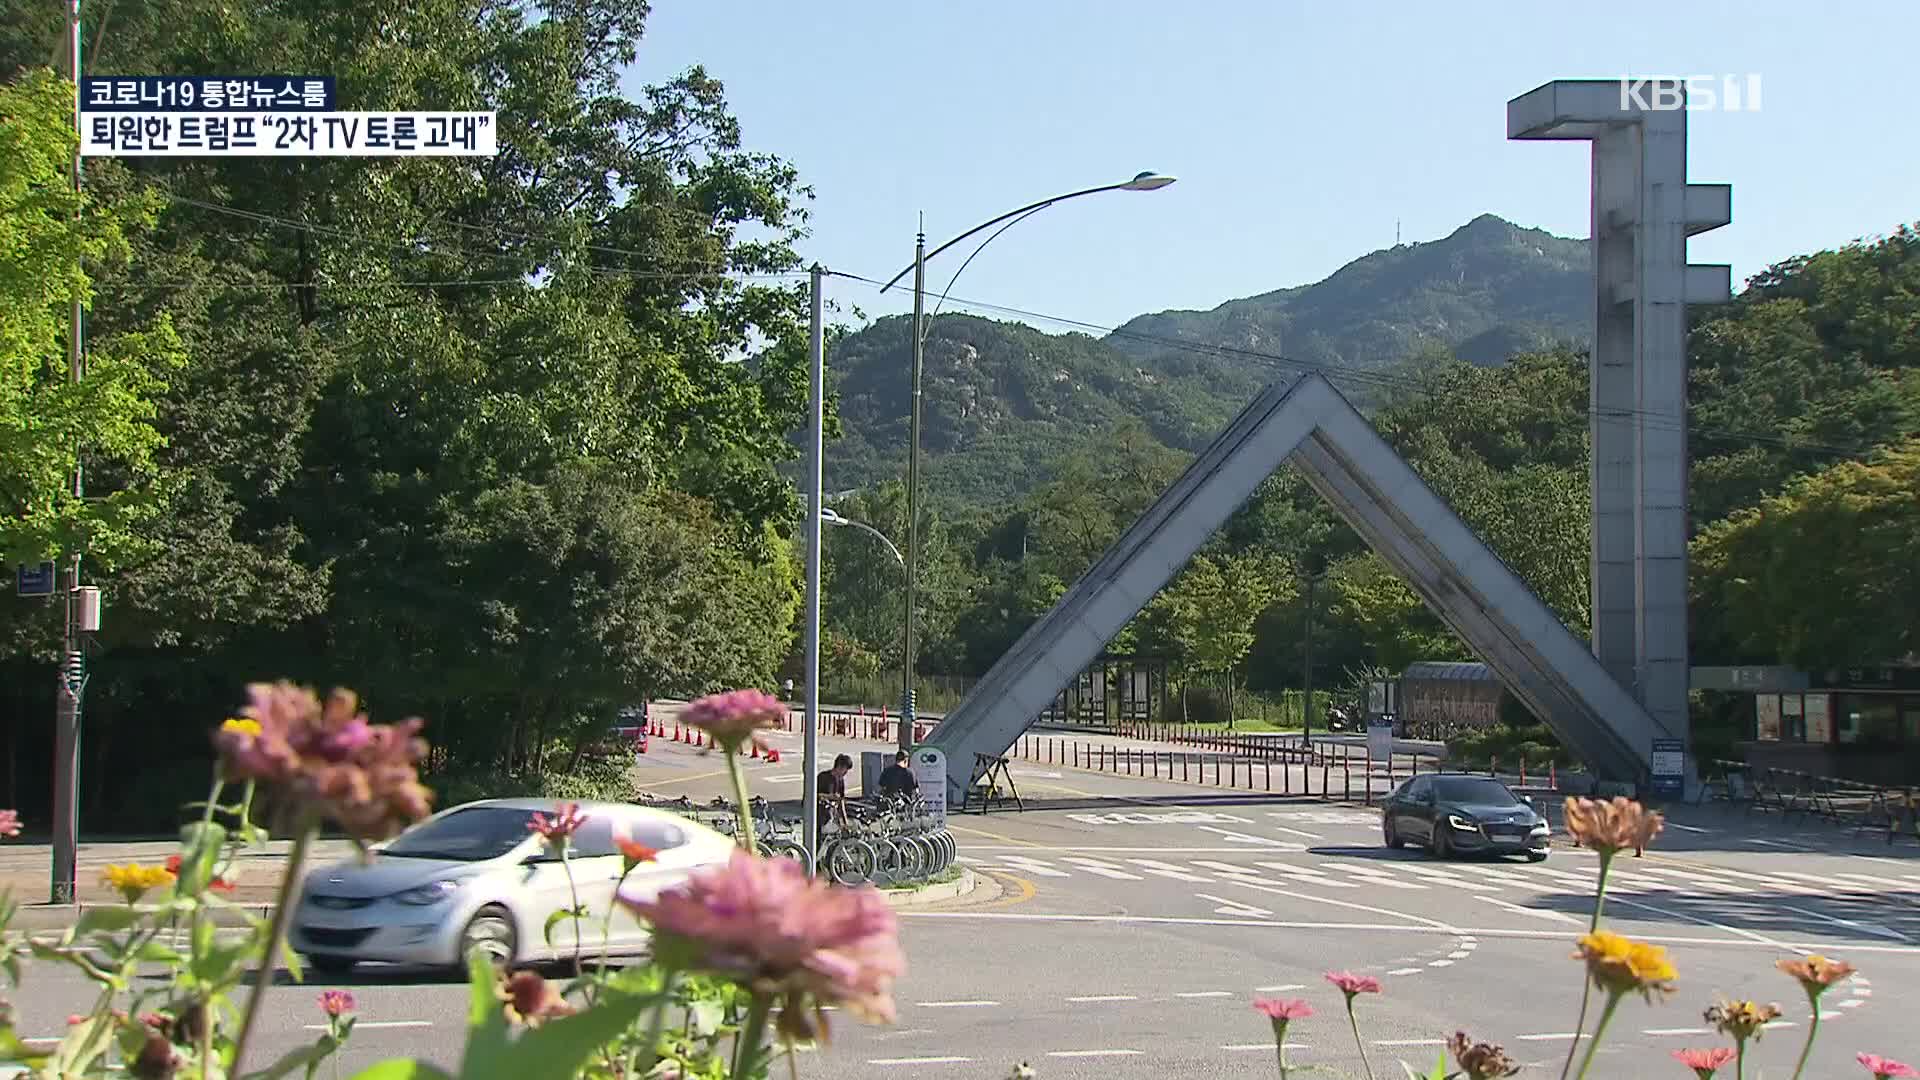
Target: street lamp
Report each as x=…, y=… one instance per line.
x=833, y=517
x=1146, y=181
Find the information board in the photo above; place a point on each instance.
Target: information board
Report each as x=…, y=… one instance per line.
x=1669, y=767
x=1380, y=736
x=930, y=771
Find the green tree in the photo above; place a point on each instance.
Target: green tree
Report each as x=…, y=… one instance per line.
x=1824, y=574
x=53, y=240
x=1209, y=612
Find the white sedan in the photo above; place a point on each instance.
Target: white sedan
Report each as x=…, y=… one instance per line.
x=474, y=876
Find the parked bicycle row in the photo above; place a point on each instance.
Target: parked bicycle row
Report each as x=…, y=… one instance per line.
x=884, y=840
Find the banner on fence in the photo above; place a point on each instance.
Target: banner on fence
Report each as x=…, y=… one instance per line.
x=1380, y=736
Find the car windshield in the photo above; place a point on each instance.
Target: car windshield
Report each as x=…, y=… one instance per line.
x=471, y=835
x=1473, y=791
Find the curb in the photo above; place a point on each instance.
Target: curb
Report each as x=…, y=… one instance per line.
x=932, y=894
x=39, y=917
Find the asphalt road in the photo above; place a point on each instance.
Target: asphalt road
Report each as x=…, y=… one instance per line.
x=1128, y=924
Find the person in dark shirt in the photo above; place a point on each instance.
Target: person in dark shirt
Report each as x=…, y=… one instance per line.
x=897, y=779
x=832, y=786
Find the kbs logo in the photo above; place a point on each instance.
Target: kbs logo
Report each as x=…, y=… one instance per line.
x=1695, y=93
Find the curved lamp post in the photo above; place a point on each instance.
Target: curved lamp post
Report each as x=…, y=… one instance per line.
x=1146, y=181
x=834, y=517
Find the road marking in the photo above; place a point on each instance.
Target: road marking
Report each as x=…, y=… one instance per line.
x=1404, y=971
x=1244, y=838
x=1444, y=878
x=1674, y=1031
x=1276, y=990
x=1092, y=1053
x=1099, y=848
x=1544, y=1036
x=1205, y=994
x=919, y=1061
x=1104, y=869
x=1851, y=924
x=1268, y=1047
x=1321, y=900
x=1409, y=1042
x=1033, y=866
x=1722, y=927
x=1234, y=907
x=1439, y=963
x=955, y=1004
x=376, y=1024
x=1806, y=946
x=1314, y=877
x=1026, y=892
x=1168, y=870
x=1459, y=954
x=1687, y=828
x=1103, y=997
x=1022, y=844
x=1516, y=909
x=1299, y=832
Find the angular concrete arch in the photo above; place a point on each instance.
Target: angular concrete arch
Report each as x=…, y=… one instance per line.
x=1312, y=425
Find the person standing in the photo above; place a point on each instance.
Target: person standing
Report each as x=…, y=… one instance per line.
x=832, y=788
x=896, y=780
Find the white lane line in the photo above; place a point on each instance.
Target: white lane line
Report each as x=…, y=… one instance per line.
x=1459, y=954
x=1408, y=1042
x=1268, y=1047
x=1233, y=907
x=1168, y=870
x=1864, y=927
x=1673, y=913
x=1687, y=828
x=1103, y=997
x=1874, y=879
x=1205, y=994
x=1104, y=869
x=1674, y=1031
x=1086, y=847
x=1516, y=909
x=920, y=1061
x=1441, y=877
x=1312, y=876
x=1244, y=838
x=1033, y=866
x=1439, y=963
x=1299, y=832
x=1295, y=986
x=1404, y=971
x=1544, y=1036
x=1852, y=1003
x=1425, y=926
x=956, y=1004
x=1326, y=901
x=1092, y=1053
x=376, y=1024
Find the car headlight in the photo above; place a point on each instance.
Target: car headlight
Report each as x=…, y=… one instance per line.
x=1463, y=824
x=432, y=893
x=1538, y=826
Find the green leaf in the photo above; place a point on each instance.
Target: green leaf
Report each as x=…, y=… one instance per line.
x=298, y=1057
x=84, y=1042
x=554, y=920
x=201, y=844
x=105, y=920
x=486, y=1022
x=706, y=1016
x=158, y=952
x=14, y=1050
x=296, y=967
x=558, y=1047
x=401, y=1069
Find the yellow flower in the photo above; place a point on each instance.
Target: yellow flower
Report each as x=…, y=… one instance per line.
x=133, y=880
x=1741, y=1020
x=240, y=725
x=1816, y=973
x=1611, y=825
x=1619, y=964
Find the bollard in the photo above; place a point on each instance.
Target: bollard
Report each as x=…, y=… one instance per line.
x=1366, y=793
x=1523, y=770
x=1493, y=765
x=1553, y=776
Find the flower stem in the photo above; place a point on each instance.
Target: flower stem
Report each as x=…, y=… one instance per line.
x=746, y=1045
x=650, y=1050
x=739, y=777
x=276, y=933
x=1586, y=988
x=1813, y=1031
x=1599, y=1031
x=1739, y=1059
x=1354, y=1023
x=573, y=895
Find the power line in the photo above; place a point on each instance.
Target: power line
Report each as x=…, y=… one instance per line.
x=1378, y=379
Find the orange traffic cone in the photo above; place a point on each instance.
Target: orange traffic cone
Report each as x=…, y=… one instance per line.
x=756, y=748
x=773, y=755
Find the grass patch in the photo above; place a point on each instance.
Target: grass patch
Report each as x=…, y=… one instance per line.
x=951, y=873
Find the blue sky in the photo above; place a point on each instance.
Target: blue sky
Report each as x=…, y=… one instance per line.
x=1300, y=132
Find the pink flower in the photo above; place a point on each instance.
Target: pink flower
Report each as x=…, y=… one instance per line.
x=1282, y=1010
x=1704, y=1063
x=336, y=1003
x=566, y=821
x=328, y=757
x=9, y=823
x=1884, y=1068
x=1351, y=984
x=767, y=924
x=736, y=716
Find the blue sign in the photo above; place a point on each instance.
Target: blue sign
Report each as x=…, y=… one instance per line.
x=1669, y=767
x=206, y=94
x=34, y=580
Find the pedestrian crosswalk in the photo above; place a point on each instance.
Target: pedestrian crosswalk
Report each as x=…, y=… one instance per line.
x=1883, y=906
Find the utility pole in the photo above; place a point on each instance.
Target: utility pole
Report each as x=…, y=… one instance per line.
x=907, y=710
x=72, y=674
x=816, y=444
x=1306, y=674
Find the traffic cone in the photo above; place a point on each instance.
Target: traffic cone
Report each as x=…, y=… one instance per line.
x=756, y=748
x=773, y=755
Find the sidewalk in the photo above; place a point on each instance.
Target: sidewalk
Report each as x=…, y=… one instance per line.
x=26, y=869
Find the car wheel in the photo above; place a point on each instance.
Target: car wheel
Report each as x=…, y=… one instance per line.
x=491, y=931
x=1442, y=847
x=1536, y=856
x=328, y=965
x=1390, y=834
